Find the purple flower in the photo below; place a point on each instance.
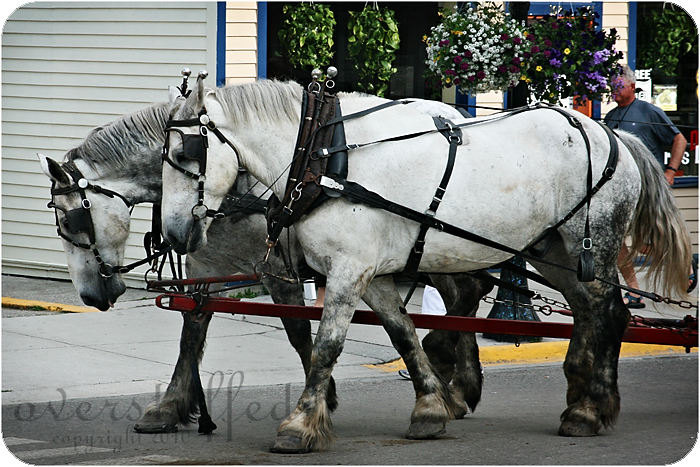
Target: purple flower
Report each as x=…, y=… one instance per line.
x=513, y=69
x=456, y=81
x=464, y=66
x=547, y=42
x=457, y=59
x=481, y=75
x=468, y=54
x=534, y=49
x=600, y=56
x=444, y=42
x=504, y=37
x=555, y=62
x=516, y=60
x=517, y=40
x=502, y=68
x=471, y=78
x=450, y=72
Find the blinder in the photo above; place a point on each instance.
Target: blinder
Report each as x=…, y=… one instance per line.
x=194, y=148
x=79, y=220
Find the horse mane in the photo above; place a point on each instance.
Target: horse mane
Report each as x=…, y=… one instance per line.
x=270, y=100
x=113, y=145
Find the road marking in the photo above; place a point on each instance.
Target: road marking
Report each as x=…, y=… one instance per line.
x=154, y=459
x=10, y=441
x=58, y=452
x=45, y=306
x=547, y=352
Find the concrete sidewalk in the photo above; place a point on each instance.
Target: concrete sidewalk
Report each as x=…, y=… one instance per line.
x=132, y=349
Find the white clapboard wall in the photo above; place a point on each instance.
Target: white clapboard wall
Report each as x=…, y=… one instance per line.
x=67, y=68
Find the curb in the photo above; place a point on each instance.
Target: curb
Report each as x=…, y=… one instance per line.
x=45, y=306
x=540, y=353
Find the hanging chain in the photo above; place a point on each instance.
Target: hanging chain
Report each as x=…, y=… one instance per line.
x=547, y=309
x=680, y=303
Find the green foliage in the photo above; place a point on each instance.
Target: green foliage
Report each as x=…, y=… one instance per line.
x=307, y=34
x=372, y=44
x=247, y=293
x=665, y=37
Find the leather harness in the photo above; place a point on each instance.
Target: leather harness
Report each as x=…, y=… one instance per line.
x=319, y=171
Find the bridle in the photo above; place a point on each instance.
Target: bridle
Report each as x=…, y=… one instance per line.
x=194, y=148
x=79, y=220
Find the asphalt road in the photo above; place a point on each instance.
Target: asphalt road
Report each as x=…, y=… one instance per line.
x=516, y=423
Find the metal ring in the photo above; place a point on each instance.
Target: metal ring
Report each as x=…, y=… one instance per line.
x=86, y=203
x=109, y=270
x=199, y=209
x=587, y=243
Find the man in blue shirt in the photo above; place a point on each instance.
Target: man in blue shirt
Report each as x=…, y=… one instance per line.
x=655, y=129
x=648, y=122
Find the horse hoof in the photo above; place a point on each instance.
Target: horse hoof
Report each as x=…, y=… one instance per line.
x=289, y=444
x=425, y=430
x=576, y=429
x=154, y=427
x=461, y=409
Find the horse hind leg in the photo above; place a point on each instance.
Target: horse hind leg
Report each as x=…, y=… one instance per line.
x=600, y=319
x=435, y=404
x=179, y=404
x=456, y=354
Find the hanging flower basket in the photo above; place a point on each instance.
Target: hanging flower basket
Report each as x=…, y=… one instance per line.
x=481, y=49
x=570, y=58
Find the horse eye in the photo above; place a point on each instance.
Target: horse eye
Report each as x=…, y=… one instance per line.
x=179, y=154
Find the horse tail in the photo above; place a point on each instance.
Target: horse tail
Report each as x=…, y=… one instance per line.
x=658, y=229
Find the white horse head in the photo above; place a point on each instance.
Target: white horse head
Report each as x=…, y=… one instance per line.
x=200, y=168
x=123, y=157
x=91, y=252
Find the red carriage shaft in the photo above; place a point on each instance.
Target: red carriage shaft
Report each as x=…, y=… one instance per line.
x=635, y=333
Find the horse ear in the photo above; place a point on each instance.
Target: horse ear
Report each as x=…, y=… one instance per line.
x=53, y=169
x=173, y=93
x=196, y=99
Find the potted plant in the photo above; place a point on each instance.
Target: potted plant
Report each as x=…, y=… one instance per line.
x=372, y=44
x=479, y=48
x=307, y=34
x=569, y=57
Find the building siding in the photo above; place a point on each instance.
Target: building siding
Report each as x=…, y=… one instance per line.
x=67, y=68
x=241, y=42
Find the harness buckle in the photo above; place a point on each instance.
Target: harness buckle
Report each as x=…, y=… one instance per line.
x=587, y=243
x=86, y=203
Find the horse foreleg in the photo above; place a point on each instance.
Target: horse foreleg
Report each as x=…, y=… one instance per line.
x=298, y=330
x=435, y=404
x=309, y=427
x=179, y=404
x=456, y=354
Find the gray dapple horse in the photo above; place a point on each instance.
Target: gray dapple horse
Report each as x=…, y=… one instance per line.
x=515, y=177
x=124, y=156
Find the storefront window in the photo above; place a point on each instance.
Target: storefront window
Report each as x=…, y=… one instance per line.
x=672, y=69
